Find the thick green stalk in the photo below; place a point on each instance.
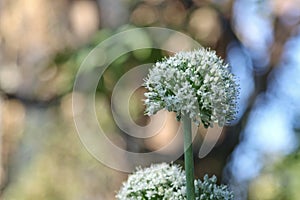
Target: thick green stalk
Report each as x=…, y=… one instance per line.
x=188, y=157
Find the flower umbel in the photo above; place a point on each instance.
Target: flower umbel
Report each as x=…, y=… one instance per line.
x=197, y=83
x=167, y=182
x=159, y=181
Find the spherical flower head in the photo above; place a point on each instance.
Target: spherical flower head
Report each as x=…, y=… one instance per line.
x=159, y=181
x=167, y=182
x=196, y=83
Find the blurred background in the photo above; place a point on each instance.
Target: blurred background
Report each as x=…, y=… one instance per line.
x=42, y=44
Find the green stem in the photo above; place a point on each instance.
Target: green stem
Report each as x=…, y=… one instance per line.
x=188, y=157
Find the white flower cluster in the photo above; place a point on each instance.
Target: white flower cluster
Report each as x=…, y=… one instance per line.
x=197, y=84
x=208, y=189
x=159, y=181
x=167, y=182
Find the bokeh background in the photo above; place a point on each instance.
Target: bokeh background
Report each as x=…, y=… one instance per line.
x=42, y=44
